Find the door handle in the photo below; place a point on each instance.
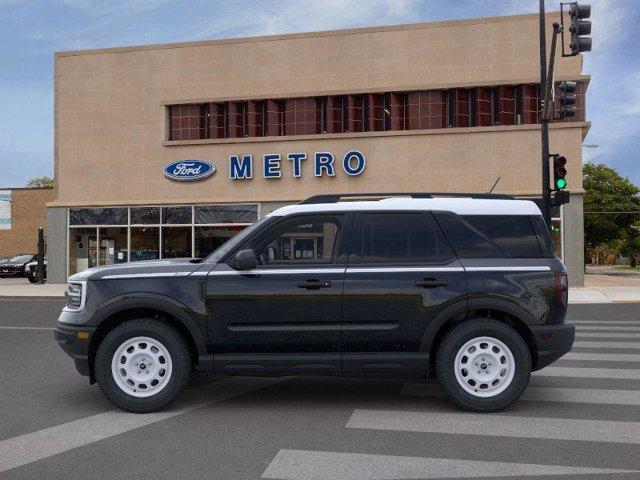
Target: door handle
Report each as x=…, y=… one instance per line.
x=431, y=283
x=313, y=284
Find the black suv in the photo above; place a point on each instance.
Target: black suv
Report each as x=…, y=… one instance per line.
x=465, y=288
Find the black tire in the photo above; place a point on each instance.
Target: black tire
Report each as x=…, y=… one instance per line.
x=32, y=279
x=456, y=338
x=177, y=348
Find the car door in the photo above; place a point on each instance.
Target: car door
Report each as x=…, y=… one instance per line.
x=401, y=273
x=286, y=313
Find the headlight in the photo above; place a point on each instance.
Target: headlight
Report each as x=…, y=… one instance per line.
x=76, y=295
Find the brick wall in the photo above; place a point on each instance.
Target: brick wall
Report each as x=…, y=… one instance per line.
x=28, y=212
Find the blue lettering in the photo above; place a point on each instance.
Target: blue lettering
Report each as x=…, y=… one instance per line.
x=297, y=158
x=271, y=162
x=240, y=169
x=351, y=156
x=324, y=161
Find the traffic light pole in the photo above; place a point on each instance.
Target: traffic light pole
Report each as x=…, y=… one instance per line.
x=544, y=121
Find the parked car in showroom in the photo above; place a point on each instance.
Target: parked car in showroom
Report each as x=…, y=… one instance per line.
x=31, y=270
x=15, y=266
x=466, y=288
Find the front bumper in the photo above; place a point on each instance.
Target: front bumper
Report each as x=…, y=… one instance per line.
x=552, y=342
x=74, y=340
x=11, y=272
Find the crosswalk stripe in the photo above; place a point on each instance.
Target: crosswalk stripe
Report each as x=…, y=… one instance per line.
x=542, y=394
x=606, y=335
x=603, y=357
x=496, y=425
x=318, y=465
x=31, y=447
x=579, y=372
x=606, y=322
x=589, y=344
x=612, y=328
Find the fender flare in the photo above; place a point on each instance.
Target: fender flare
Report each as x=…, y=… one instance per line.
x=476, y=303
x=154, y=301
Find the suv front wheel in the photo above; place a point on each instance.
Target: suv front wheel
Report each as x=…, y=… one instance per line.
x=143, y=365
x=483, y=365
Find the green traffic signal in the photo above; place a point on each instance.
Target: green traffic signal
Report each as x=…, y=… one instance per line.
x=561, y=183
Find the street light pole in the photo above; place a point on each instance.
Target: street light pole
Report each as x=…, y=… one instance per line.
x=544, y=121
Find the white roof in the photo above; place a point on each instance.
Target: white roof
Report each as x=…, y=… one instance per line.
x=461, y=206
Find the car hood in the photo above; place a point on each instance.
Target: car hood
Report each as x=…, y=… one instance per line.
x=4, y=265
x=151, y=268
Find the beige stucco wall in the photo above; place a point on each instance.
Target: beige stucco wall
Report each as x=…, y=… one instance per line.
x=111, y=121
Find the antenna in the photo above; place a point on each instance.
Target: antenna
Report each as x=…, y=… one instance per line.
x=494, y=185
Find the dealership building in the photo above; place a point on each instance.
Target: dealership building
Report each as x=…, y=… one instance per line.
x=169, y=150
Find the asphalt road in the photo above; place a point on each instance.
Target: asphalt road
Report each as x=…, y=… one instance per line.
x=579, y=417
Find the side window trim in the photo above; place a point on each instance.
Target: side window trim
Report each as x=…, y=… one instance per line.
x=355, y=258
x=341, y=217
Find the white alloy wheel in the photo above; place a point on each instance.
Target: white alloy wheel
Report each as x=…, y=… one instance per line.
x=141, y=367
x=484, y=367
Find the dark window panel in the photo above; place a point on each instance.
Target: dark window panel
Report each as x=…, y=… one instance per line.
x=376, y=117
x=460, y=107
x=187, y=122
x=176, y=242
x=506, y=105
x=256, y=110
x=207, y=239
x=300, y=116
x=145, y=215
x=514, y=234
x=145, y=243
x=98, y=216
x=355, y=113
x=483, y=107
x=236, y=119
x=519, y=106
x=176, y=215
x=397, y=110
x=530, y=104
x=275, y=118
x=226, y=214
x=217, y=120
x=426, y=110
x=336, y=118
x=473, y=107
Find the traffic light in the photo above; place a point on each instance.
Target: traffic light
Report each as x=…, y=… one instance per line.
x=559, y=172
x=580, y=27
x=560, y=198
x=567, y=98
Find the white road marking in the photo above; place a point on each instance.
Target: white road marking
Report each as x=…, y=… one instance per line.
x=603, y=357
x=542, y=394
x=605, y=335
x=18, y=451
x=497, y=425
x=606, y=344
x=27, y=328
x=611, y=328
x=579, y=372
x=606, y=322
x=309, y=464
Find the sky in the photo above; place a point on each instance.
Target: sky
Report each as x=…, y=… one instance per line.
x=31, y=30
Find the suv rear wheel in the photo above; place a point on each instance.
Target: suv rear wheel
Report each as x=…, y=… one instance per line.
x=483, y=365
x=143, y=365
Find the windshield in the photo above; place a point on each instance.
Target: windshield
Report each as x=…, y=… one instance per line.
x=230, y=244
x=21, y=258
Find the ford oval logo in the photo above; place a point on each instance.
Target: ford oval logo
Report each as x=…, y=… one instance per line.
x=187, y=170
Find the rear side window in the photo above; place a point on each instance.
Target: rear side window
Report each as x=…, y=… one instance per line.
x=544, y=236
x=401, y=238
x=491, y=236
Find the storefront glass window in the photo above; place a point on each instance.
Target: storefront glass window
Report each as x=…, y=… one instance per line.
x=210, y=238
x=145, y=243
x=145, y=216
x=98, y=216
x=113, y=245
x=176, y=215
x=83, y=249
x=176, y=242
x=226, y=214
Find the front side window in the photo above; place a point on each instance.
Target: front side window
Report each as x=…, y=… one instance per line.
x=409, y=238
x=301, y=240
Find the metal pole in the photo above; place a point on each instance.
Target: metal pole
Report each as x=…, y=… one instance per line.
x=40, y=258
x=546, y=191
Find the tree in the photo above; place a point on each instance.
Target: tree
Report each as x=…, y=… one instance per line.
x=40, y=182
x=609, y=205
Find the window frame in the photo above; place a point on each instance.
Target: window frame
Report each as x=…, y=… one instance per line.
x=355, y=250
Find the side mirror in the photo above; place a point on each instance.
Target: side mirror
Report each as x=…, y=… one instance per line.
x=245, y=260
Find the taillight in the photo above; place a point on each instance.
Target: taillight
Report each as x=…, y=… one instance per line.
x=562, y=289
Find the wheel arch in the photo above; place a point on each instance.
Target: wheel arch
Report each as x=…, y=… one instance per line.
x=118, y=310
x=499, y=309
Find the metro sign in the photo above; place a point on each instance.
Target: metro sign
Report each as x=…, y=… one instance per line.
x=241, y=166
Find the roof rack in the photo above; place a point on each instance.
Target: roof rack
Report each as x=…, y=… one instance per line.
x=335, y=197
